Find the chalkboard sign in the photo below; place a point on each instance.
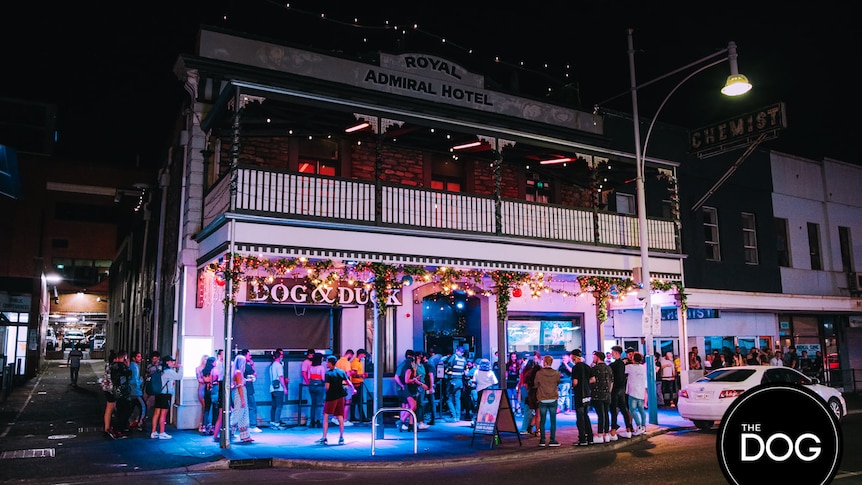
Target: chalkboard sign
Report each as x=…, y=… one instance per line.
x=495, y=414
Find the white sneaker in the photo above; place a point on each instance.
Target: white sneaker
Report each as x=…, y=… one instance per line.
x=624, y=433
x=255, y=429
x=348, y=423
x=154, y=436
x=637, y=432
x=164, y=436
x=423, y=426
x=334, y=421
x=404, y=427
x=610, y=437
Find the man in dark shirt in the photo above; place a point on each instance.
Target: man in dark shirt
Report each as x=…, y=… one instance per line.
x=75, y=356
x=619, y=399
x=581, y=394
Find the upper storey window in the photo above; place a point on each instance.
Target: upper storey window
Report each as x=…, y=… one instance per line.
x=319, y=156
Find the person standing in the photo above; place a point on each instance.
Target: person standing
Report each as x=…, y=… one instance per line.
x=317, y=389
x=582, y=395
x=547, y=382
x=430, y=401
x=619, y=400
x=304, y=390
x=150, y=399
x=250, y=376
x=110, y=399
x=121, y=377
x=406, y=381
x=668, y=379
x=277, y=389
x=358, y=406
x=456, y=364
x=344, y=364
x=218, y=393
x=240, y=399
x=777, y=359
x=170, y=374
x=139, y=406
x=636, y=383
x=206, y=427
x=419, y=370
x=202, y=386
x=74, y=361
x=483, y=378
x=513, y=375
x=792, y=359
x=602, y=382
x=564, y=405
x=335, y=393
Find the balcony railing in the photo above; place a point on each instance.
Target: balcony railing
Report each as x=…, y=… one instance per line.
x=293, y=195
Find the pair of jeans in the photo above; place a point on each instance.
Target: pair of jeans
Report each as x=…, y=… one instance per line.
x=252, y=405
x=73, y=373
x=454, y=398
x=565, y=400
x=277, y=405
x=358, y=408
x=317, y=392
x=141, y=405
x=585, y=428
x=603, y=415
x=545, y=409
x=636, y=406
x=620, y=404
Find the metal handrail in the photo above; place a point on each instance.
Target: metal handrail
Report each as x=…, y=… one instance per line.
x=396, y=410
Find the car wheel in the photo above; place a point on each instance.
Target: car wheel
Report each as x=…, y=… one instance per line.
x=702, y=424
x=835, y=406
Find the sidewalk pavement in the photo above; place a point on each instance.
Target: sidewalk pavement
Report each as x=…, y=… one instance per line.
x=46, y=413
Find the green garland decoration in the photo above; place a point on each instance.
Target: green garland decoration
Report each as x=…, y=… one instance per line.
x=386, y=277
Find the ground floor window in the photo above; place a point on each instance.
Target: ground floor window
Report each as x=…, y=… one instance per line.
x=547, y=334
x=13, y=338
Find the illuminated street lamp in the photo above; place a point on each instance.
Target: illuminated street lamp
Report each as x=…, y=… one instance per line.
x=736, y=85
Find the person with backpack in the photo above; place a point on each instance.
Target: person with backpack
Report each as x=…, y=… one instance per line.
x=121, y=384
x=162, y=385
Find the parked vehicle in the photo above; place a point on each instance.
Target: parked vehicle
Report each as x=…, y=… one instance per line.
x=51, y=342
x=705, y=401
x=98, y=341
x=71, y=337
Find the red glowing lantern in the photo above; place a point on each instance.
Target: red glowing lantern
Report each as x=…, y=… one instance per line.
x=219, y=280
x=517, y=293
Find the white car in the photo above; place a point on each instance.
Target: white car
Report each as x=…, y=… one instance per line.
x=704, y=401
x=98, y=341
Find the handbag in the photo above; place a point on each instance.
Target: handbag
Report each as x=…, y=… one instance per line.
x=276, y=383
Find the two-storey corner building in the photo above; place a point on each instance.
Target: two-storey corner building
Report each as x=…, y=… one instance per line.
x=307, y=189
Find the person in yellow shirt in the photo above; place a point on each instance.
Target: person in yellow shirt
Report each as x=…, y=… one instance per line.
x=344, y=364
x=357, y=377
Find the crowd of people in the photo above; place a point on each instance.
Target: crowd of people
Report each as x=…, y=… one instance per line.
x=429, y=386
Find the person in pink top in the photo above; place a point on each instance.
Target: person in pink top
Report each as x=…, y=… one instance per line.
x=305, y=391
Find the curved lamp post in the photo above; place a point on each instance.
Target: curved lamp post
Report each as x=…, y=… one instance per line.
x=736, y=85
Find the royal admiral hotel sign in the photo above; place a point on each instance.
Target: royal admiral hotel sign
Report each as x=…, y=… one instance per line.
x=299, y=291
x=416, y=76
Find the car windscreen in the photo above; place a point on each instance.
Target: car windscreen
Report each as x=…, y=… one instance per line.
x=727, y=375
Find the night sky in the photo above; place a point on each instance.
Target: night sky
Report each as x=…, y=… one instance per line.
x=110, y=69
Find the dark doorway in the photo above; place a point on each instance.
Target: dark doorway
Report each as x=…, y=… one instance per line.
x=452, y=319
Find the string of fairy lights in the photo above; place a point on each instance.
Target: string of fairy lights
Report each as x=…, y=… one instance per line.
x=557, y=74
x=259, y=271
